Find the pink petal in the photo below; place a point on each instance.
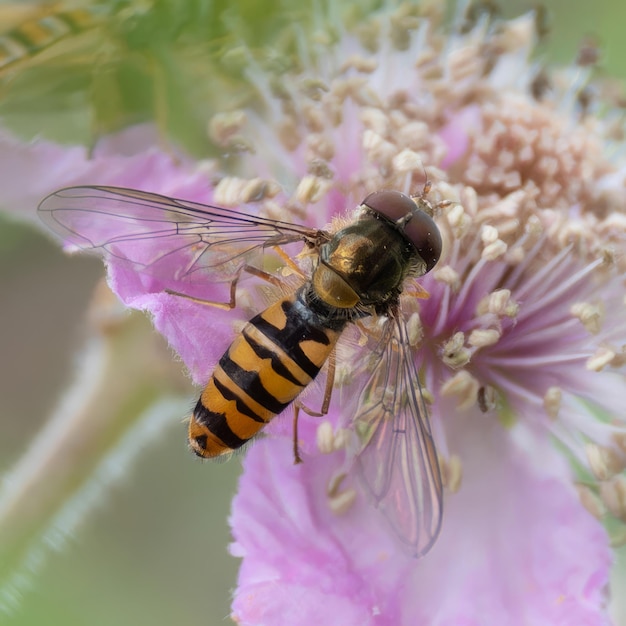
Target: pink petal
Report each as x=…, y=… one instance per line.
x=516, y=548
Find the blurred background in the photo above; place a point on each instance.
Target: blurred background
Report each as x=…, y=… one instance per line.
x=155, y=550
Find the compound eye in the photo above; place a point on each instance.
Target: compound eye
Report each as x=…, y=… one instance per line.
x=420, y=230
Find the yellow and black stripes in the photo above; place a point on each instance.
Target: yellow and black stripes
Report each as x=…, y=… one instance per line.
x=34, y=35
x=278, y=353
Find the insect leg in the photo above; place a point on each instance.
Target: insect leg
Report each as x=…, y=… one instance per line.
x=328, y=391
x=232, y=303
x=289, y=262
x=416, y=291
x=297, y=459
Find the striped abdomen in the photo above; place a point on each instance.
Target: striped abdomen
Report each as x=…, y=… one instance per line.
x=278, y=353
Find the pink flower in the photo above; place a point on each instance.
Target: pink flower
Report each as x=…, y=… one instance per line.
x=520, y=342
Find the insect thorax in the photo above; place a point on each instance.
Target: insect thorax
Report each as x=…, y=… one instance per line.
x=365, y=264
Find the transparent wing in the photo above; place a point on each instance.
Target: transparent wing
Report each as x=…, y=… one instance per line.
x=396, y=458
x=174, y=239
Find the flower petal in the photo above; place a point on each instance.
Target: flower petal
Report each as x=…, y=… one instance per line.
x=517, y=547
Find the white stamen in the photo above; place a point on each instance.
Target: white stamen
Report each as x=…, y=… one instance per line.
x=340, y=500
x=498, y=303
x=480, y=338
x=451, y=473
x=366, y=65
x=375, y=120
x=459, y=221
x=378, y=149
x=601, y=358
x=488, y=234
x=620, y=440
x=311, y=189
x=604, y=462
x=463, y=385
x=469, y=200
x=342, y=438
x=591, y=502
x=448, y=276
x=591, y=315
x=325, y=438
x=415, y=329
x=321, y=146
x=613, y=494
x=224, y=126
x=406, y=161
x=494, y=250
x=454, y=354
x=552, y=402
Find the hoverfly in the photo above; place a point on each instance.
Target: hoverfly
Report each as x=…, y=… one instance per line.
x=358, y=273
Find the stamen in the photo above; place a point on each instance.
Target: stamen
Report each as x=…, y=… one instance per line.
x=494, y=250
x=340, y=501
x=325, y=438
x=489, y=234
x=463, y=385
x=451, y=473
x=602, y=357
x=591, y=501
x=378, y=149
x=415, y=330
x=232, y=191
x=604, y=462
x=454, y=353
x=613, y=494
x=459, y=221
x=480, y=338
x=552, y=402
x=498, y=303
x=406, y=161
x=223, y=127
x=449, y=276
x=366, y=65
x=311, y=189
x=591, y=315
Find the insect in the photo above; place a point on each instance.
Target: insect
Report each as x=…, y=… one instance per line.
x=109, y=65
x=42, y=30
x=358, y=273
